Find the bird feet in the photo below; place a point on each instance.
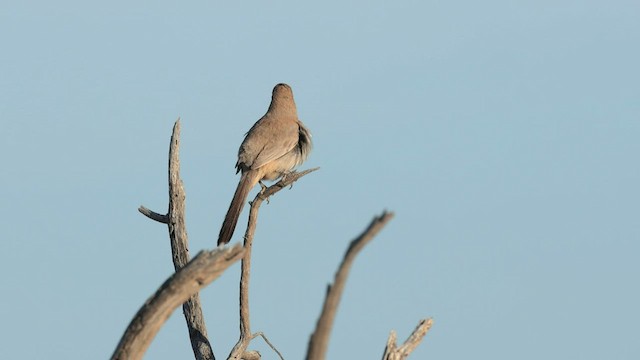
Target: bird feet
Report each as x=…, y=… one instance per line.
x=284, y=178
x=263, y=186
x=263, y=190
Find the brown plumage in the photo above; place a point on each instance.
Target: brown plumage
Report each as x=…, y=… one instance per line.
x=274, y=146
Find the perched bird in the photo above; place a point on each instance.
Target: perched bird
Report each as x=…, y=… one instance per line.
x=274, y=146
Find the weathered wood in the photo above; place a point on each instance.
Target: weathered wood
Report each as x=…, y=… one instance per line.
x=238, y=351
x=205, y=267
x=319, y=340
x=393, y=352
x=175, y=220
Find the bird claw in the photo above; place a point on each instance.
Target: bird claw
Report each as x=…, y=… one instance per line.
x=284, y=178
x=263, y=190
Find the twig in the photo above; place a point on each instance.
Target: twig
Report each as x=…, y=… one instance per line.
x=319, y=340
x=245, y=268
x=393, y=352
x=180, y=247
x=205, y=267
x=264, y=337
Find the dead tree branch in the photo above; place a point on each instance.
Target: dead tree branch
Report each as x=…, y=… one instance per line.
x=174, y=219
x=153, y=215
x=319, y=340
x=205, y=267
x=393, y=352
x=191, y=276
x=245, y=330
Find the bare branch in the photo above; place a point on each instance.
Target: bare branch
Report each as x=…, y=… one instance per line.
x=153, y=215
x=393, y=352
x=264, y=337
x=174, y=219
x=319, y=340
x=245, y=268
x=287, y=180
x=198, y=273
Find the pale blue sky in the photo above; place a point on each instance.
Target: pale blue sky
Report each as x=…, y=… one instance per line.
x=505, y=136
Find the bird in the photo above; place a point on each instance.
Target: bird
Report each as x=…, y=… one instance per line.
x=276, y=144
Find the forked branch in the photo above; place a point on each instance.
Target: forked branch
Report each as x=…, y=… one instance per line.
x=393, y=352
x=240, y=348
x=175, y=220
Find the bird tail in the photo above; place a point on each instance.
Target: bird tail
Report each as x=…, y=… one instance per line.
x=247, y=182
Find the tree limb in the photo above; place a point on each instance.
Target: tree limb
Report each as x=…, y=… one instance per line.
x=393, y=352
x=205, y=267
x=319, y=340
x=174, y=219
x=161, y=218
x=245, y=270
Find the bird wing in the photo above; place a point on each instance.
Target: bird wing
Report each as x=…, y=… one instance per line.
x=268, y=139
